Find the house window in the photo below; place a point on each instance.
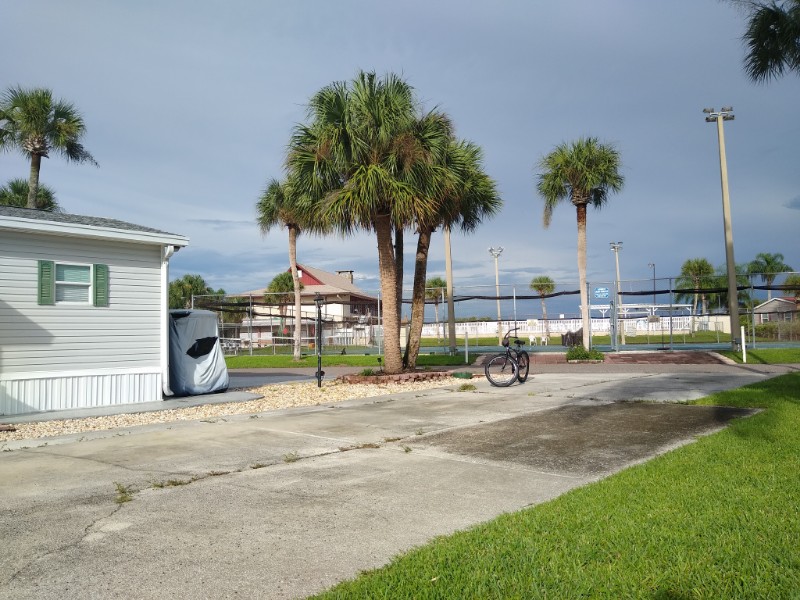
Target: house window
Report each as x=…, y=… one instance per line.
x=63, y=283
x=73, y=283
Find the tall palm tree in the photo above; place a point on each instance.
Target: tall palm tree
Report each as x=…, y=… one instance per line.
x=772, y=39
x=583, y=172
x=364, y=156
x=544, y=286
x=15, y=193
x=466, y=195
x=281, y=205
x=35, y=124
x=768, y=266
x=696, y=275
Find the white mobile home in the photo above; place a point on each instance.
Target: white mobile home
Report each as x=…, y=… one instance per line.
x=83, y=311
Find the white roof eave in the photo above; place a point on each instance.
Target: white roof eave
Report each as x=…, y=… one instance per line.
x=92, y=231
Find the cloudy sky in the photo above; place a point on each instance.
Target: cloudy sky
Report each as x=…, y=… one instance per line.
x=189, y=106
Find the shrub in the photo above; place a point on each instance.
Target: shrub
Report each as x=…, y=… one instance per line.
x=581, y=353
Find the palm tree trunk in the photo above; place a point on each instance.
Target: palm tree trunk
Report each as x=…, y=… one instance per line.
x=546, y=324
x=451, y=313
x=398, y=261
x=418, y=297
x=298, y=321
x=33, y=180
x=581, y=210
x=393, y=361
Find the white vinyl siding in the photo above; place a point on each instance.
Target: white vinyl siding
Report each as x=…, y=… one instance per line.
x=72, y=336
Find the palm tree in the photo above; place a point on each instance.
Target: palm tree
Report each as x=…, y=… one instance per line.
x=466, y=195
x=435, y=290
x=280, y=205
x=772, y=39
x=768, y=266
x=364, y=155
x=583, y=172
x=544, y=286
x=15, y=193
x=35, y=124
x=792, y=284
x=182, y=291
x=280, y=293
x=720, y=278
x=696, y=274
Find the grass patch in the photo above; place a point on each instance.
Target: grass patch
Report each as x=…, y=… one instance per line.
x=466, y=387
x=767, y=356
x=262, y=361
x=291, y=457
x=124, y=493
x=714, y=519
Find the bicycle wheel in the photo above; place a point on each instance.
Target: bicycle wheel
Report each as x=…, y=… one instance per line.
x=501, y=371
x=524, y=364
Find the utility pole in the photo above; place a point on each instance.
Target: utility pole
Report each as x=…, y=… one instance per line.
x=713, y=116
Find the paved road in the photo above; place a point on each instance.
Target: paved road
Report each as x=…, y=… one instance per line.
x=287, y=503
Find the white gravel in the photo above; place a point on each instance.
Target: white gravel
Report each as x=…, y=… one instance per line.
x=273, y=397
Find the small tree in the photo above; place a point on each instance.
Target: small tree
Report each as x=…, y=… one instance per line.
x=544, y=286
x=182, y=290
x=280, y=293
x=435, y=291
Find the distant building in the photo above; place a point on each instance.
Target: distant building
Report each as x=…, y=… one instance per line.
x=777, y=309
x=349, y=313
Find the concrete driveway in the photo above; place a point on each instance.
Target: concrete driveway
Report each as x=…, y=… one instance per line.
x=287, y=503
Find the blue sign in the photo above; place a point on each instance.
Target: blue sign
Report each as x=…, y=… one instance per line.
x=601, y=292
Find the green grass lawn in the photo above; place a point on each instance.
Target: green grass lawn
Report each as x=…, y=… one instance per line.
x=719, y=518
x=767, y=356
x=279, y=361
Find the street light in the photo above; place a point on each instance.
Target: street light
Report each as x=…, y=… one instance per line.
x=319, y=301
x=713, y=116
x=616, y=247
x=496, y=252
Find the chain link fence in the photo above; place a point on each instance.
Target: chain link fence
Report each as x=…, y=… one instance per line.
x=656, y=312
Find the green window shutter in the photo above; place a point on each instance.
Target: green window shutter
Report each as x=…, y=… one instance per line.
x=100, y=285
x=47, y=282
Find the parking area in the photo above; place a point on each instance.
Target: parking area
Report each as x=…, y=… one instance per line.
x=287, y=503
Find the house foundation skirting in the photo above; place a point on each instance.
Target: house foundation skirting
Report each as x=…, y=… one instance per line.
x=30, y=393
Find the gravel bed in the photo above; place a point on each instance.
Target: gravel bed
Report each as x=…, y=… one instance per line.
x=273, y=397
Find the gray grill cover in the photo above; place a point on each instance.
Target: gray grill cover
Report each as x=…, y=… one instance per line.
x=196, y=363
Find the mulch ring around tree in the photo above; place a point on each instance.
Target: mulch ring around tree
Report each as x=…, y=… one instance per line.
x=405, y=376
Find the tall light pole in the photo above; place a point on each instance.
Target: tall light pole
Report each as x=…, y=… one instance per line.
x=616, y=247
x=714, y=116
x=653, y=266
x=496, y=252
x=451, y=314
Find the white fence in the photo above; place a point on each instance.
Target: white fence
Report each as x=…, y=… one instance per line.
x=536, y=327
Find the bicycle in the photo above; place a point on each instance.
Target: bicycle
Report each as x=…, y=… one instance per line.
x=513, y=365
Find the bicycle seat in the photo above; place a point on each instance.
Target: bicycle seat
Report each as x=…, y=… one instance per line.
x=518, y=343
